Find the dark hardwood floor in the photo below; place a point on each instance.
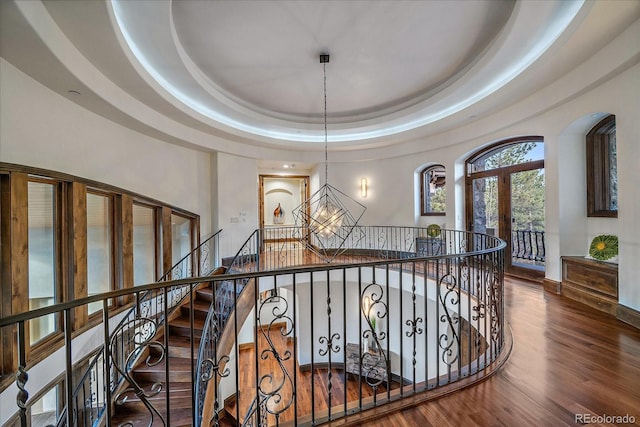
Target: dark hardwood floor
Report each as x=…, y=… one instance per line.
x=568, y=359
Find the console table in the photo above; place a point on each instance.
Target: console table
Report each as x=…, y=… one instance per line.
x=591, y=282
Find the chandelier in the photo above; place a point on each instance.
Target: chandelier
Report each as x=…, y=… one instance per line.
x=326, y=220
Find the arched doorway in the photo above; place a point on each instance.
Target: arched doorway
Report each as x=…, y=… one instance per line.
x=505, y=197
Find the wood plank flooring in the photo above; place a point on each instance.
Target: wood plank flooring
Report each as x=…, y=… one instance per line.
x=309, y=393
x=567, y=359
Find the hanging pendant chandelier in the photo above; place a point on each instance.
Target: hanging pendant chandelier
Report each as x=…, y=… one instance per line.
x=328, y=219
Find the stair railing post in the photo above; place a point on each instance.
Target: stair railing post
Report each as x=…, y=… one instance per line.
x=69, y=371
x=22, y=377
x=106, y=361
x=166, y=345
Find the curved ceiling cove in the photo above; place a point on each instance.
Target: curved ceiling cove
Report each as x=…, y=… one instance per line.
x=251, y=68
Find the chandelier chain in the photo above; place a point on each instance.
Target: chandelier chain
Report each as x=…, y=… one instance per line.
x=326, y=155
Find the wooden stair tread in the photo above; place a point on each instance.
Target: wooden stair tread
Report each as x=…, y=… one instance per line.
x=175, y=363
x=184, y=321
x=198, y=305
x=179, y=358
x=184, y=341
x=179, y=418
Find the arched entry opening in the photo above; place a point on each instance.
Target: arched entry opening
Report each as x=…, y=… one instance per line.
x=505, y=197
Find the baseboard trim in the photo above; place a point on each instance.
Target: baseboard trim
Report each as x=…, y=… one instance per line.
x=552, y=286
x=628, y=315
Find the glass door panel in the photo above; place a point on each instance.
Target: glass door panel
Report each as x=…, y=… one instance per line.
x=527, y=219
x=485, y=207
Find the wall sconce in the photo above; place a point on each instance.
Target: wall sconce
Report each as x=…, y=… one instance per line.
x=363, y=187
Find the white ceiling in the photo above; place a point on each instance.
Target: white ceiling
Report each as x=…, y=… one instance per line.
x=247, y=72
x=384, y=54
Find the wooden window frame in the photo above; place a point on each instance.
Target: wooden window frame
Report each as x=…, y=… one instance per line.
x=71, y=251
x=40, y=349
x=194, y=235
x=156, y=236
x=598, y=170
x=113, y=304
x=424, y=191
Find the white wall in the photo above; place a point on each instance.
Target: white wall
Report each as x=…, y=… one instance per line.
x=392, y=198
x=40, y=128
x=237, y=203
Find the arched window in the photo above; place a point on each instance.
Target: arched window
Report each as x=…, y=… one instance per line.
x=602, y=171
x=433, y=196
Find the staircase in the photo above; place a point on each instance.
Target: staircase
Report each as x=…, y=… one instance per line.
x=149, y=373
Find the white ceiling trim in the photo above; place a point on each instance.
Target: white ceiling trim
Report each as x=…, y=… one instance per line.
x=532, y=29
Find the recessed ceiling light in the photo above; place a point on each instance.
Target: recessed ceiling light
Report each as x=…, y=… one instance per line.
x=286, y=166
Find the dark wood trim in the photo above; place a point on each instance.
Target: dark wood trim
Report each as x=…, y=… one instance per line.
x=195, y=242
x=14, y=289
x=591, y=282
x=628, y=315
x=107, y=188
x=261, y=177
x=125, y=243
x=423, y=212
x=78, y=250
x=158, y=236
x=498, y=144
x=165, y=227
x=503, y=177
x=550, y=285
x=598, y=170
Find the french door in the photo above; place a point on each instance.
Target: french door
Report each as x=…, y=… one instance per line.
x=508, y=202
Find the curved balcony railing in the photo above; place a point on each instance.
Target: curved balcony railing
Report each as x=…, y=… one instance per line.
x=527, y=246
x=290, y=338
x=91, y=387
x=400, y=311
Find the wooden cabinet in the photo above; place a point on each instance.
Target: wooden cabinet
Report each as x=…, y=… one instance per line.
x=591, y=282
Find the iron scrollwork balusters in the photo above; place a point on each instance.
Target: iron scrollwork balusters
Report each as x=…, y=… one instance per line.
x=211, y=368
x=415, y=330
x=494, y=287
x=374, y=363
x=330, y=347
x=450, y=346
x=141, y=333
x=205, y=260
x=275, y=388
x=23, y=395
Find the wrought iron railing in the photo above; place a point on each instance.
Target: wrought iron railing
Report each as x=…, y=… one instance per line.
x=528, y=245
x=429, y=313
x=132, y=334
